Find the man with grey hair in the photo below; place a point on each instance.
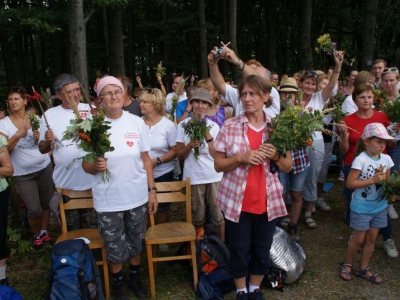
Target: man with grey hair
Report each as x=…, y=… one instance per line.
x=230, y=94
x=66, y=174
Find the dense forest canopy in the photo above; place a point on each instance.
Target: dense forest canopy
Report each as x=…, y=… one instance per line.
x=42, y=38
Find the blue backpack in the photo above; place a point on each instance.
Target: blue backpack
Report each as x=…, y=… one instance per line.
x=74, y=273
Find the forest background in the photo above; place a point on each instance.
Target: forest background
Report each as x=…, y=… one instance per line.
x=41, y=39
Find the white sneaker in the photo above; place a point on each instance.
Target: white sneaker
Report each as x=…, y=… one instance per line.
x=390, y=248
x=320, y=203
x=391, y=212
x=341, y=176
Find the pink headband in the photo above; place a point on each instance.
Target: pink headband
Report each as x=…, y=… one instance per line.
x=107, y=81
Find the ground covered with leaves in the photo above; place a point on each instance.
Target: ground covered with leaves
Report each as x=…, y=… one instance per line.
x=325, y=247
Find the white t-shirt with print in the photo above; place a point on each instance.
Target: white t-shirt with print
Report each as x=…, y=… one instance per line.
x=162, y=136
x=25, y=155
x=199, y=170
x=66, y=174
x=232, y=97
x=369, y=199
x=128, y=187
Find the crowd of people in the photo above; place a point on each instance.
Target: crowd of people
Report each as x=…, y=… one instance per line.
x=240, y=183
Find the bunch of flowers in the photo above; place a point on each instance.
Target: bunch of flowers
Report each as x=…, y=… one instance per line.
x=392, y=109
x=325, y=44
x=34, y=120
x=196, y=129
x=91, y=136
x=380, y=99
x=160, y=69
x=391, y=186
x=293, y=128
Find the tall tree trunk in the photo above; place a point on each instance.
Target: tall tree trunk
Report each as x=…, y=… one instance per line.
x=77, y=37
x=233, y=33
x=116, y=44
x=33, y=55
x=131, y=44
x=167, y=49
x=21, y=58
x=58, y=53
x=106, y=39
x=369, y=33
x=202, y=39
x=306, y=60
x=225, y=21
x=271, y=34
x=6, y=50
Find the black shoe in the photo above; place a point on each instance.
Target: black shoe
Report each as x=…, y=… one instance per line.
x=5, y=282
x=256, y=295
x=241, y=296
x=292, y=229
x=119, y=292
x=137, y=288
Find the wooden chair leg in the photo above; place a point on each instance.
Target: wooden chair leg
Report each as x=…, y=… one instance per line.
x=151, y=270
x=154, y=253
x=194, y=264
x=105, y=271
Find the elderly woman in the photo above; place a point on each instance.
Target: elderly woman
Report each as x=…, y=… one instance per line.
x=363, y=96
x=162, y=142
x=122, y=204
x=313, y=100
x=6, y=170
x=250, y=195
x=296, y=178
x=32, y=170
x=203, y=177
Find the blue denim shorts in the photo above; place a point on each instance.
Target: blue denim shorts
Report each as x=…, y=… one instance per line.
x=295, y=182
x=363, y=222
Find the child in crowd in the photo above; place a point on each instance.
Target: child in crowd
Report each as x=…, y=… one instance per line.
x=368, y=205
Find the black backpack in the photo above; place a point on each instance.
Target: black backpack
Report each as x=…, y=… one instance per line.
x=74, y=273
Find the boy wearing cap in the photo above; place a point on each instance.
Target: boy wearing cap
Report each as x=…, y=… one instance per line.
x=204, y=179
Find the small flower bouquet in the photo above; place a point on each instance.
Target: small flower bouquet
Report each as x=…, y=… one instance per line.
x=196, y=129
x=392, y=109
x=91, y=136
x=35, y=122
x=380, y=99
x=336, y=103
x=391, y=186
x=160, y=69
x=326, y=45
x=293, y=128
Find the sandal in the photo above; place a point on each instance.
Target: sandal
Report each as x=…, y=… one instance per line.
x=344, y=274
x=373, y=278
x=285, y=221
x=310, y=222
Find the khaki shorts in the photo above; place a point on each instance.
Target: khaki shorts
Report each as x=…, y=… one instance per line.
x=203, y=199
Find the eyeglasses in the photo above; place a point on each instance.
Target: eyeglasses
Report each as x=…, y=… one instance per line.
x=109, y=94
x=390, y=70
x=311, y=74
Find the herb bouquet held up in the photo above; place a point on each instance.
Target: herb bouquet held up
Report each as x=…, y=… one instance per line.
x=196, y=129
x=91, y=136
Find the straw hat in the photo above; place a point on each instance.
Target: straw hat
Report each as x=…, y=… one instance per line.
x=288, y=85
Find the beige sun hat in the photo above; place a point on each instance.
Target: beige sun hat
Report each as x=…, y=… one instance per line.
x=288, y=85
x=201, y=94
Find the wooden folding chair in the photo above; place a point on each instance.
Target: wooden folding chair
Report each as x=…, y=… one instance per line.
x=83, y=200
x=172, y=232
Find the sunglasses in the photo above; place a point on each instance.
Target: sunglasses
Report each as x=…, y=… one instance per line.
x=311, y=74
x=389, y=70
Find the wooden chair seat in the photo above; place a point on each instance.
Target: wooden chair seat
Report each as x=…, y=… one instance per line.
x=91, y=234
x=175, y=232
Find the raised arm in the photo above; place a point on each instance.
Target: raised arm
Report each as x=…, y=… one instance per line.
x=215, y=75
x=327, y=91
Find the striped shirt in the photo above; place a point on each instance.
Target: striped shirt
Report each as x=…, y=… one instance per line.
x=232, y=139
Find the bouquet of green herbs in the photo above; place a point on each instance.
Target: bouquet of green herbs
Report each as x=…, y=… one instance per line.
x=336, y=103
x=196, y=129
x=392, y=109
x=293, y=128
x=91, y=136
x=391, y=186
x=160, y=69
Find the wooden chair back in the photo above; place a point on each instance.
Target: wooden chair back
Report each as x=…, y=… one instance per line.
x=174, y=191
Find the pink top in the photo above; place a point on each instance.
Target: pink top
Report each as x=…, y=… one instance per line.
x=232, y=139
